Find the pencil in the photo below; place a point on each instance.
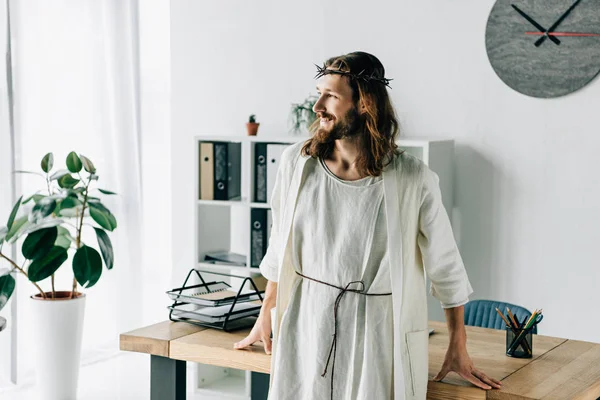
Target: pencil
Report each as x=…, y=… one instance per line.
x=504, y=318
x=512, y=317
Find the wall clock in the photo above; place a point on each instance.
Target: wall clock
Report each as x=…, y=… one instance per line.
x=544, y=48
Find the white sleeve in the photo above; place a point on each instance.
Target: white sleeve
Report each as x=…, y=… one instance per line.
x=460, y=303
x=441, y=258
x=269, y=266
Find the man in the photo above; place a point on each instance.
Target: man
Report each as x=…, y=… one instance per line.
x=356, y=224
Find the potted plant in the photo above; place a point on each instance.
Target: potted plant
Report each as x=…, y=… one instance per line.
x=252, y=125
x=302, y=115
x=52, y=226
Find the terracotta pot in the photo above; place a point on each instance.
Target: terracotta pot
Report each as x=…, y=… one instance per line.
x=252, y=128
x=56, y=343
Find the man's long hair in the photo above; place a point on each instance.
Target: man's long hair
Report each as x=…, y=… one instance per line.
x=377, y=127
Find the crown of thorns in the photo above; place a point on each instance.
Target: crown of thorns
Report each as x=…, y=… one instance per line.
x=361, y=76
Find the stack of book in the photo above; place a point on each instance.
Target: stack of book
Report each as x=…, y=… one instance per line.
x=220, y=170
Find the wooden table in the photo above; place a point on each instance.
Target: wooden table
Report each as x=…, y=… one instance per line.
x=560, y=369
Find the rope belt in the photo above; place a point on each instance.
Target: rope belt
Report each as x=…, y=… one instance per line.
x=343, y=291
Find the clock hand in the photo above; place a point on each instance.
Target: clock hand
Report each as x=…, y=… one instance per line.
x=577, y=34
x=555, y=25
x=532, y=22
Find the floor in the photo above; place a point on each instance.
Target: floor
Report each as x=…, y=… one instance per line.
x=123, y=377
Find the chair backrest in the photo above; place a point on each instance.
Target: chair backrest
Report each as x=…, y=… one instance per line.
x=483, y=313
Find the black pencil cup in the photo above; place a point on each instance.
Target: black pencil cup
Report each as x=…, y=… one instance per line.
x=519, y=343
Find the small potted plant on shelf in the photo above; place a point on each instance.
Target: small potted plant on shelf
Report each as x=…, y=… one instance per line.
x=302, y=115
x=252, y=125
x=52, y=225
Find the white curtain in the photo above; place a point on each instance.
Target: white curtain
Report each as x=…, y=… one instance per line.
x=76, y=80
x=7, y=191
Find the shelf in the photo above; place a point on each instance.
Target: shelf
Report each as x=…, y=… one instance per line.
x=230, y=387
x=219, y=267
x=260, y=205
x=222, y=202
x=227, y=203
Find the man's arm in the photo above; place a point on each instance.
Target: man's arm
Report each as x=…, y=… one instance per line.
x=262, y=327
x=456, y=327
x=457, y=359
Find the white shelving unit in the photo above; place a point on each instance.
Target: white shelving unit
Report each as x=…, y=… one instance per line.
x=225, y=225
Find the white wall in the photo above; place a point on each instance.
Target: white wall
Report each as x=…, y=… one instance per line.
x=526, y=198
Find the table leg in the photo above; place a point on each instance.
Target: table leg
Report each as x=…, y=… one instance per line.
x=167, y=378
x=259, y=386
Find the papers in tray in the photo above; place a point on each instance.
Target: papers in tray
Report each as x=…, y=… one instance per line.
x=212, y=294
x=215, y=314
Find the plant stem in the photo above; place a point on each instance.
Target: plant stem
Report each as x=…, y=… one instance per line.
x=50, y=194
x=78, y=244
x=23, y=272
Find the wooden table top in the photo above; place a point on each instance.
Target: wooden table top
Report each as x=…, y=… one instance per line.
x=560, y=368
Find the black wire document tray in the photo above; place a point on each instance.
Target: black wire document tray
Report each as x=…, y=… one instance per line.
x=209, y=294
x=214, y=305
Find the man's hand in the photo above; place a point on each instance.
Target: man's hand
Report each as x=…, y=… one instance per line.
x=458, y=360
x=262, y=327
x=261, y=331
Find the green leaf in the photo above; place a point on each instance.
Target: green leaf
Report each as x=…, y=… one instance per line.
x=39, y=243
x=3, y=232
x=62, y=231
x=17, y=225
x=7, y=286
x=47, y=162
x=88, y=165
x=33, y=197
x=73, y=162
x=46, y=223
x=59, y=174
x=42, y=209
x=67, y=203
x=13, y=214
x=42, y=268
x=106, y=191
x=38, y=197
x=105, y=247
x=103, y=216
x=87, y=266
x=64, y=238
x=62, y=241
x=67, y=181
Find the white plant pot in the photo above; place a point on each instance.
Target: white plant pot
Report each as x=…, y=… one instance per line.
x=56, y=342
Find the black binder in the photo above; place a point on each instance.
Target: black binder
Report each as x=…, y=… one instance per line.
x=234, y=171
x=258, y=236
x=227, y=158
x=260, y=172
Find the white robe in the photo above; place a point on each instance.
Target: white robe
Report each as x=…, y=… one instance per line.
x=339, y=236
x=419, y=239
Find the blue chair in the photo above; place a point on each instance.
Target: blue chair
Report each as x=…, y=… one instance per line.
x=483, y=313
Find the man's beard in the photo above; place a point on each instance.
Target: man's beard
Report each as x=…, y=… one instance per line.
x=347, y=128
